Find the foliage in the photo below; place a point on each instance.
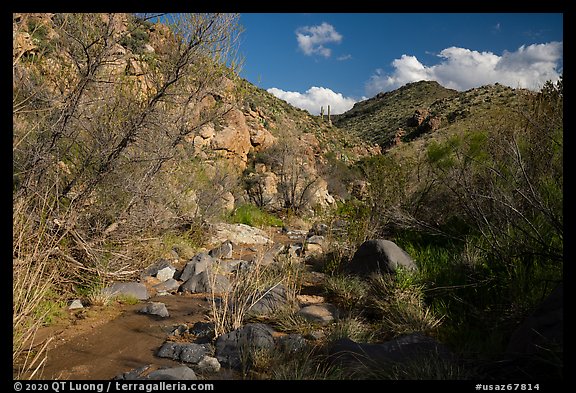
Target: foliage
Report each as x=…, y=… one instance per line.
x=253, y=216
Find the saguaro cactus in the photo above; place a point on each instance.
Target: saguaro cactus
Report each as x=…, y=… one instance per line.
x=329, y=120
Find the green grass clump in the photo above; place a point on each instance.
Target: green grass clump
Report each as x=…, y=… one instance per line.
x=253, y=216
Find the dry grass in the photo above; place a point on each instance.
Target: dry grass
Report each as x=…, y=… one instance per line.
x=229, y=310
x=33, y=277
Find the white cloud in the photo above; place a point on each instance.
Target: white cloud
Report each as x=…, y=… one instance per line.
x=344, y=57
x=462, y=69
x=311, y=39
x=314, y=98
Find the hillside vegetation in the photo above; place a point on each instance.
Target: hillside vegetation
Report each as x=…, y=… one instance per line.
x=132, y=138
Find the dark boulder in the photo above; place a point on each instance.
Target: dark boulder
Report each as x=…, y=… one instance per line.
x=400, y=350
x=379, y=255
x=235, y=348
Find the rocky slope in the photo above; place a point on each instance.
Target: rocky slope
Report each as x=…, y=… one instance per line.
x=421, y=108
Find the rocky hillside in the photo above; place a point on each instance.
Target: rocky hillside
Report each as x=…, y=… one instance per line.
x=224, y=122
x=421, y=108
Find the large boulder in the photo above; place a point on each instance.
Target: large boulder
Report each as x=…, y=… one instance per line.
x=379, y=255
x=206, y=283
x=234, y=139
x=272, y=300
x=236, y=347
x=199, y=263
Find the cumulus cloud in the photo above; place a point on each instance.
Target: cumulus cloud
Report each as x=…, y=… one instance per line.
x=344, y=57
x=314, y=98
x=311, y=39
x=462, y=69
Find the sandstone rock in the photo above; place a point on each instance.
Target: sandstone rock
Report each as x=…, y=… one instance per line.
x=207, y=131
x=261, y=139
x=239, y=234
x=76, y=304
x=418, y=117
x=432, y=123
x=322, y=313
x=234, y=138
x=379, y=255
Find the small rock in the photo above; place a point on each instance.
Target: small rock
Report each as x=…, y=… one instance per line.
x=153, y=269
x=239, y=234
x=179, y=330
x=295, y=250
x=322, y=313
x=133, y=374
x=156, y=308
x=272, y=300
x=306, y=300
x=197, y=265
x=169, y=285
x=185, y=352
x=202, y=330
x=292, y=343
x=315, y=335
x=234, y=348
x=223, y=251
x=209, y=365
x=76, y=304
x=269, y=257
x=135, y=289
x=182, y=373
x=165, y=273
x=314, y=249
x=318, y=229
x=316, y=239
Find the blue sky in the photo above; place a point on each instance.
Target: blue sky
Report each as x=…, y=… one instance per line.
x=318, y=59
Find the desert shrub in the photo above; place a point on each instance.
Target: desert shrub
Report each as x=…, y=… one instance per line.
x=253, y=216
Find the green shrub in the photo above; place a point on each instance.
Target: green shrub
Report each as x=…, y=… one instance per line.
x=253, y=216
